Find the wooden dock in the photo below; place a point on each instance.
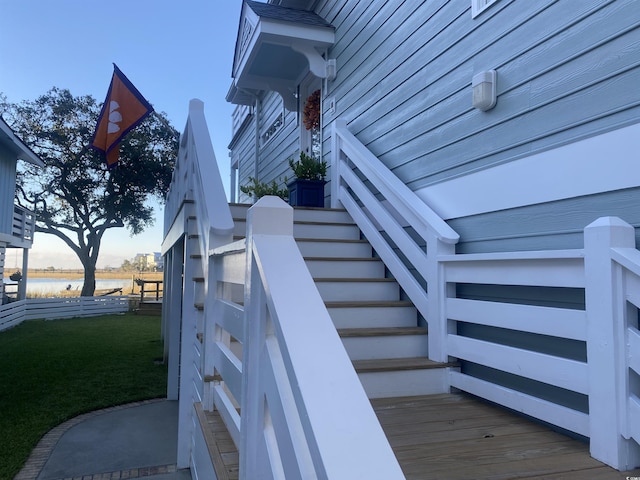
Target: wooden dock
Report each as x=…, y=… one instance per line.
x=455, y=436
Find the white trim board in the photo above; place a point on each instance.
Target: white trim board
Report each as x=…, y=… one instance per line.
x=603, y=163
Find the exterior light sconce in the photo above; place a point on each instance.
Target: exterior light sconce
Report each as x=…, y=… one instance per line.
x=484, y=90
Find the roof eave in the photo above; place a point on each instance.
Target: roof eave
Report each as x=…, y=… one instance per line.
x=17, y=146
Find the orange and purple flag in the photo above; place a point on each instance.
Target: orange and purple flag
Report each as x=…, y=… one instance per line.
x=123, y=109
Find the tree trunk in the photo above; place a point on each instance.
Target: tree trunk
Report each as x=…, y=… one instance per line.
x=89, y=287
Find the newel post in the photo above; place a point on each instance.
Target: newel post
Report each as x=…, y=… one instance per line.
x=605, y=308
x=269, y=216
x=438, y=292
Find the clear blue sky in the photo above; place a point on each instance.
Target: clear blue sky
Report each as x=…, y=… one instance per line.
x=172, y=51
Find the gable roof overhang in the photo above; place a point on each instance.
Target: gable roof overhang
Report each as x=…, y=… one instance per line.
x=276, y=47
x=16, y=146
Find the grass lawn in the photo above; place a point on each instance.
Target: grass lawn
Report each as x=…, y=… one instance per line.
x=53, y=371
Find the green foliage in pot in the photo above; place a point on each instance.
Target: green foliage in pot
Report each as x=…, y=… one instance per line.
x=260, y=189
x=308, y=168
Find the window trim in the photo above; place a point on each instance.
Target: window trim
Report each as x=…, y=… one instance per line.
x=273, y=126
x=479, y=6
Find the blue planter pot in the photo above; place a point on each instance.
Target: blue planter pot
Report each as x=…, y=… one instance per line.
x=306, y=193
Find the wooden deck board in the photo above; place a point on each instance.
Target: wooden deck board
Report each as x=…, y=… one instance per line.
x=459, y=437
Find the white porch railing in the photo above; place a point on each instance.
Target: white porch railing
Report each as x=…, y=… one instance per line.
x=23, y=225
x=197, y=218
x=379, y=202
x=304, y=412
x=607, y=270
x=14, y=313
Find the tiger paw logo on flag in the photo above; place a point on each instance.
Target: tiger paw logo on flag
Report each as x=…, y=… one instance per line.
x=123, y=110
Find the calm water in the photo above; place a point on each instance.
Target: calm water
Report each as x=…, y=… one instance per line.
x=48, y=285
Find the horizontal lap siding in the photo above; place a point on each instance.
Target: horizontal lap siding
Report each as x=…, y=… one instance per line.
x=553, y=225
x=243, y=153
x=566, y=71
x=7, y=190
x=278, y=149
x=245, y=149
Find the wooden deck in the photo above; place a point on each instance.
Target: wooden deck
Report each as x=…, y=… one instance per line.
x=459, y=437
x=449, y=437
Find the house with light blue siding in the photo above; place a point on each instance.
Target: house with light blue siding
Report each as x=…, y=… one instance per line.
x=17, y=225
x=485, y=153
x=556, y=151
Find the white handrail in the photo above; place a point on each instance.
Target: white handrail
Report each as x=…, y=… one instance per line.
x=400, y=208
x=196, y=175
x=219, y=219
x=407, y=203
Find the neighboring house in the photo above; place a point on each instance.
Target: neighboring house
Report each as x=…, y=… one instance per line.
x=17, y=225
x=148, y=261
x=494, y=133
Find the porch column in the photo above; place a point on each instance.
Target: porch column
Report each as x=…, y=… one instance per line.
x=171, y=310
x=22, y=284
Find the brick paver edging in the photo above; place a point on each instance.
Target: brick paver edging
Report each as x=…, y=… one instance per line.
x=45, y=446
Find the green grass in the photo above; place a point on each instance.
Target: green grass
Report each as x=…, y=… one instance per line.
x=53, y=371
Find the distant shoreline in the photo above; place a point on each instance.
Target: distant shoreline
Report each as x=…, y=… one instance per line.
x=79, y=274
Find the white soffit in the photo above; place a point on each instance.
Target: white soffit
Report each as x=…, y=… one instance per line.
x=275, y=48
x=598, y=164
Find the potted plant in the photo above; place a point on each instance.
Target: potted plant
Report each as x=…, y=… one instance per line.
x=307, y=188
x=259, y=189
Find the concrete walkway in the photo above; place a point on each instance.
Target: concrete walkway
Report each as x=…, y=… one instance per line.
x=129, y=441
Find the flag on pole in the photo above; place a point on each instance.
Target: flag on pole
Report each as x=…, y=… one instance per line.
x=123, y=110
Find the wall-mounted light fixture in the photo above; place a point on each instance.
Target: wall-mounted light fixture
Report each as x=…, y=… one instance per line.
x=484, y=90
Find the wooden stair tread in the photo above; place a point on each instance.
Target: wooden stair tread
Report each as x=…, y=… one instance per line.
x=222, y=450
x=342, y=259
x=331, y=240
x=346, y=280
x=368, y=304
x=398, y=364
x=381, y=331
x=322, y=223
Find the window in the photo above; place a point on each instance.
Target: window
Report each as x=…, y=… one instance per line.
x=479, y=6
x=240, y=113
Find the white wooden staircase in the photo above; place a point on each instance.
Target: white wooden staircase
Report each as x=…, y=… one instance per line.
x=381, y=332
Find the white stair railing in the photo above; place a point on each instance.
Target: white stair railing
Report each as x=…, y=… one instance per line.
x=197, y=219
x=607, y=270
x=379, y=201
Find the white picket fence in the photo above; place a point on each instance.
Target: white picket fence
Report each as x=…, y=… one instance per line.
x=15, y=313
